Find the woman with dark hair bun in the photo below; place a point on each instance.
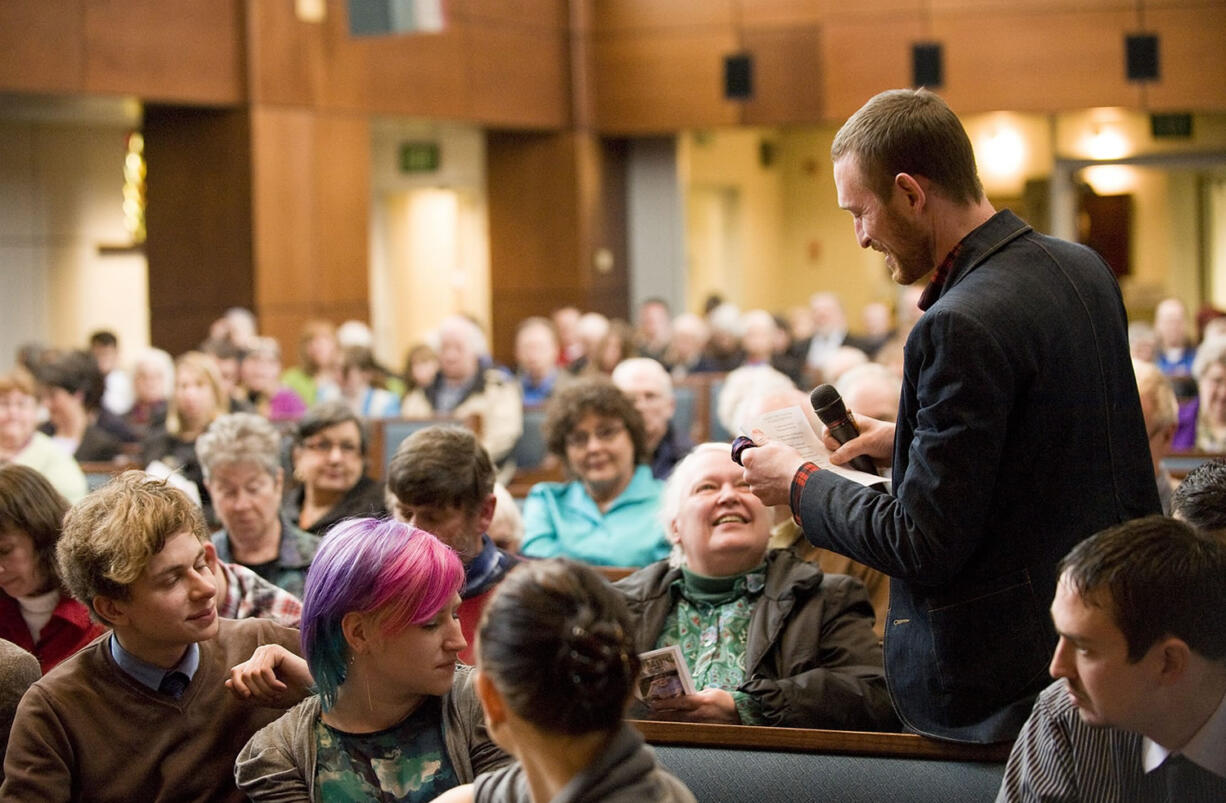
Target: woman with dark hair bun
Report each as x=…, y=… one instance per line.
x=557, y=668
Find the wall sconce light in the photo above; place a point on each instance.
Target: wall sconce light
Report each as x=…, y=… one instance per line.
x=1002, y=152
x=1106, y=142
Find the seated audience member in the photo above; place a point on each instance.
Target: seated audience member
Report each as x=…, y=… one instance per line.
x=1200, y=498
x=243, y=594
x=72, y=388
x=117, y=395
x=590, y=331
x=229, y=361
x=240, y=455
x=745, y=383
x=420, y=368
x=1161, y=414
x=463, y=390
x=153, y=382
x=1202, y=421
x=443, y=482
x=329, y=457
x=319, y=363
x=723, y=351
x=616, y=345
x=760, y=342
x=1142, y=341
x=606, y=515
x=686, y=352
x=536, y=358
x=566, y=324
x=794, y=647
x=237, y=325
x=1175, y=350
x=359, y=373
x=829, y=332
x=871, y=389
x=260, y=374
x=23, y=444
x=1138, y=709
x=18, y=671
x=839, y=362
x=395, y=718
x=507, y=526
x=197, y=400
x=655, y=329
x=651, y=389
x=878, y=326
x=557, y=667
x=36, y=613
x=143, y=712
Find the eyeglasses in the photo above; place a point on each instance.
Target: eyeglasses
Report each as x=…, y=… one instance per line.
x=603, y=433
x=325, y=446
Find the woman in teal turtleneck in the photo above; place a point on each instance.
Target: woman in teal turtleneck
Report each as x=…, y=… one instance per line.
x=769, y=638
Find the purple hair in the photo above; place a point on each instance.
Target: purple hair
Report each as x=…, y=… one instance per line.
x=405, y=574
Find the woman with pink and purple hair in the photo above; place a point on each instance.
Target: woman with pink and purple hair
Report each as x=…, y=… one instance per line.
x=394, y=718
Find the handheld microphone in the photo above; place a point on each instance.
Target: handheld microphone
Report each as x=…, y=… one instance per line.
x=828, y=405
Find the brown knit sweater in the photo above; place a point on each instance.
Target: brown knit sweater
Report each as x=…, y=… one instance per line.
x=88, y=731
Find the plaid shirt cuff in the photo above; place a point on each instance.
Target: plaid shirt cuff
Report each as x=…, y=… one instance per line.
x=798, y=488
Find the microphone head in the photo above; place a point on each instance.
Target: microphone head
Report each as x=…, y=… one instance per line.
x=827, y=403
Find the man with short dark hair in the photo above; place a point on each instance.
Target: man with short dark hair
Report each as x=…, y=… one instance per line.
x=1200, y=498
x=1138, y=709
x=442, y=480
x=1019, y=430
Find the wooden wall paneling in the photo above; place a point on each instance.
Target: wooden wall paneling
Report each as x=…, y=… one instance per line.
x=179, y=50
x=418, y=74
x=285, y=54
x=1192, y=58
x=342, y=192
x=284, y=206
x=42, y=46
x=550, y=14
x=199, y=245
x=787, y=74
x=554, y=201
x=641, y=16
x=1034, y=62
x=784, y=12
x=651, y=82
x=518, y=76
x=863, y=56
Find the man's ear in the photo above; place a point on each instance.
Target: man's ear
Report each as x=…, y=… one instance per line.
x=912, y=191
x=114, y=611
x=210, y=555
x=1175, y=657
x=486, y=513
x=491, y=700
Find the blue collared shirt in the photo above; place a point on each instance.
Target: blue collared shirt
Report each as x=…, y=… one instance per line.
x=146, y=673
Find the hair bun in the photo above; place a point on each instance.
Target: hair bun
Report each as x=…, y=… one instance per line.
x=594, y=654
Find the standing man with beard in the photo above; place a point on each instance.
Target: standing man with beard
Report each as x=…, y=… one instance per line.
x=1019, y=429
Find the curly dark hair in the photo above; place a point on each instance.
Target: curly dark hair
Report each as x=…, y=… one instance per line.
x=596, y=395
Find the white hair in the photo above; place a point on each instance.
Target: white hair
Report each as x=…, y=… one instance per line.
x=744, y=383
x=632, y=365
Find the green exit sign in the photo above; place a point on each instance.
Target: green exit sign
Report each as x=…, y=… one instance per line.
x=418, y=157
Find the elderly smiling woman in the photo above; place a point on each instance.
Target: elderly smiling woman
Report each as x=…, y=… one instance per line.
x=769, y=638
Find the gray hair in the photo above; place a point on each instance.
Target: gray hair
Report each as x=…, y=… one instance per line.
x=239, y=438
x=1210, y=353
x=676, y=489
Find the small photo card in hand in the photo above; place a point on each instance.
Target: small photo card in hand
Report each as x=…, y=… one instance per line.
x=664, y=674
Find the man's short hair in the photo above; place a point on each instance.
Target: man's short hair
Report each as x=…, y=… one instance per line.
x=910, y=131
x=628, y=366
x=1157, y=577
x=444, y=466
x=105, y=338
x=112, y=535
x=1200, y=499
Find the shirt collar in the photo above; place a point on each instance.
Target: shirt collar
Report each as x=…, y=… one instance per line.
x=1205, y=748
x=146, y=673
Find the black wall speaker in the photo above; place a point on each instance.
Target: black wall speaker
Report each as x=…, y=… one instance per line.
x=1141, y=56
x=738, y=76
x=926, y=65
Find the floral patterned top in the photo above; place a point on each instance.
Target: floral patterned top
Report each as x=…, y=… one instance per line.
x=710, y=623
